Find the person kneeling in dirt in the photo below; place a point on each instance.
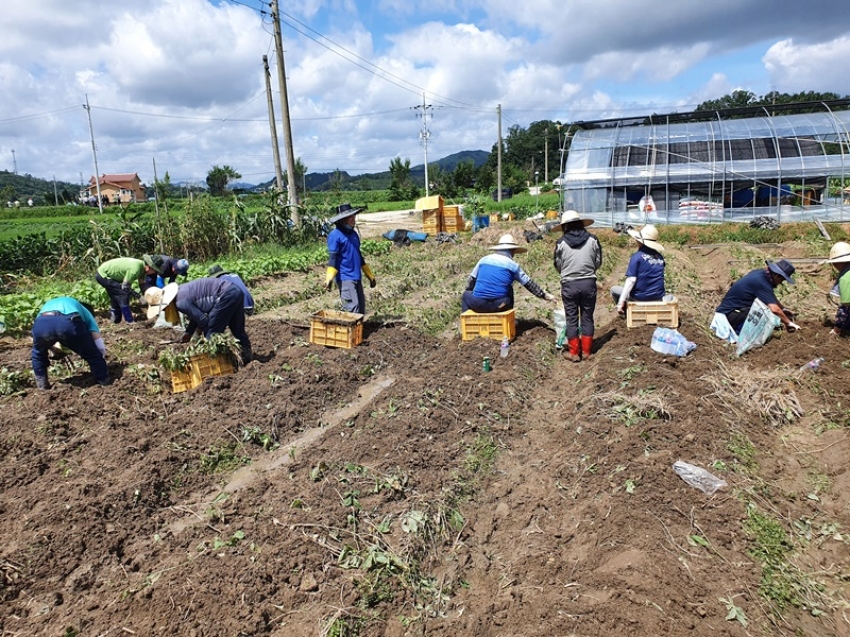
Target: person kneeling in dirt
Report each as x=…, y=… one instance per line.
x=66, y=321
x=490, y=288
x=212, y=305
x=248, y=303
x=758, y=284
x=117, y=276
x=645, y=272
x=839, y=257
x=345, y=261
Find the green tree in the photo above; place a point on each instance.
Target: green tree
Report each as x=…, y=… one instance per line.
x=464, y=176
x=218, y=177
x=401, y=185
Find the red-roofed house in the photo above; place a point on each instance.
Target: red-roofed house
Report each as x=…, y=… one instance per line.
x=128, y=187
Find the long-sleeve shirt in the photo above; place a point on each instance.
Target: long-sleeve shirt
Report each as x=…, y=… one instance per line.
x=197, y=298
x=578, y=256
x=344, y=253
x=122, y=269
x=494, y=275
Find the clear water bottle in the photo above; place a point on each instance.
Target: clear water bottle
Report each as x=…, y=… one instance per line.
x=813, y=365
x=506, y=346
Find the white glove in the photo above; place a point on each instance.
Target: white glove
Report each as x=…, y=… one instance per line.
x=101, y=346
x=549, y=297
x=792, y=327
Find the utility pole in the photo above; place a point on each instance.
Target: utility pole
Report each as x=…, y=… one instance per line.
x=546, y=156
x=14, y=162
x=499, y=157
x=284, y=112
x=275, y=149
x=94, y=155
x=424, y=135
x=55, y=194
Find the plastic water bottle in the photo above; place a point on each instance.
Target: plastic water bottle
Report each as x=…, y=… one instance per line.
x=812, y=365
x=506, y=346
x=698, y=477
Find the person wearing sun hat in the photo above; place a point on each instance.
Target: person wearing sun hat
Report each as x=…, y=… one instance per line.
x=159, y=300
x=645, y=272
x=489, y=287
x=116, y=276
x=166, y=269
x=346, y=264
x=839, y=258
x=578, y=255
x=757, y=284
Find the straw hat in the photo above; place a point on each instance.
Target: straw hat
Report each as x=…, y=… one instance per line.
x=507, y=242
x=343, y=211
x=839, y=253
x=570, y=216
x=648, y=236
x=158, y=299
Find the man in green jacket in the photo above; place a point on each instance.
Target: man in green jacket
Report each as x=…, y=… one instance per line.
x=117, y=276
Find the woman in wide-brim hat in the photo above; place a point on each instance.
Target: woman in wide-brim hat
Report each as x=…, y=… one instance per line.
x=490, y=286
x=645, y=272
x=839, y=258
x=578, y=255
x=346, y=264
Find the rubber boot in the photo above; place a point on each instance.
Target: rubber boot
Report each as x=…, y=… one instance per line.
x=115, y=316
x=246, y=355
x=41, y=382
x=586, y=347
x=574, y=352
x=127, y=313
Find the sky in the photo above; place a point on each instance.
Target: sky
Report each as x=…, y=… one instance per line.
x=179, y=84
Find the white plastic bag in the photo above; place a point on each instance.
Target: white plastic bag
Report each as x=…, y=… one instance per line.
x=666, y=340
x=560, y=319
x=757, y=327
x=698, y=477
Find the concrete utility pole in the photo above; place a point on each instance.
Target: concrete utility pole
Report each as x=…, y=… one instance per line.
x=499, y=157
x=546, y=156
x=14, y=162
x=94, y=154
x=424, y=135
x=284, y=112
x=272, y=126
x=55, y=194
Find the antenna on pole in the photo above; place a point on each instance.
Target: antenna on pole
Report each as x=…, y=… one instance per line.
x=424, y=134
x=94, y=155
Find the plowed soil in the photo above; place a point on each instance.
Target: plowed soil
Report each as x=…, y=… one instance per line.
x=396, y=488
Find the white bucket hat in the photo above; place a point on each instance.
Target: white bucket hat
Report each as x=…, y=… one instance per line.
x=648, y=236
x=158, y=299
x=570, y=216
x=507, y=242
x=839, y=253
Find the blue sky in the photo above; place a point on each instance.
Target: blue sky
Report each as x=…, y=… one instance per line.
x=180, y=81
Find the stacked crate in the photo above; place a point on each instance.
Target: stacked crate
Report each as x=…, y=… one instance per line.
x=432, y=213
x=452, y=219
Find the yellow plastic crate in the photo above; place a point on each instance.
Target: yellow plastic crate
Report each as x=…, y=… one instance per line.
x=332, y=328
x=665, y=313
x=496, y=325
x=453, y=223
x=432, y=221
x=200, y=367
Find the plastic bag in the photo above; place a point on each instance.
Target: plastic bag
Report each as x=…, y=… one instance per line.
x=757, y=327
x=698, y=477
x=666, y=340
x=560, y=319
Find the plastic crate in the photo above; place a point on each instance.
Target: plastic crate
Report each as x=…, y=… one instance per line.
x=432, y=221
x=665, y=313
x=496, y=325
x=336, y=329
x=200, y=366
x=453, y=223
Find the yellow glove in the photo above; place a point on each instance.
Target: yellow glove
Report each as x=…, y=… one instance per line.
x=329, y=277
x=369, y=275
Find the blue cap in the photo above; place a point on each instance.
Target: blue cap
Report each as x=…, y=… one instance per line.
x=182, y=267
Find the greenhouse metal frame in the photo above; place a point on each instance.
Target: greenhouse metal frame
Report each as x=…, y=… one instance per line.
x=713, y=166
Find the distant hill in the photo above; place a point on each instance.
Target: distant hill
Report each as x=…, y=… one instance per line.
x=22, y=187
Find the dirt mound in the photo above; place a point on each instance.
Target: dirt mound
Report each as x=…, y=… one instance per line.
x=397, y=489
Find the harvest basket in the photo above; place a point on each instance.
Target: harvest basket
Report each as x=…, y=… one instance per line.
x=664, y=313
x=332, y=328
x=496, y=325
x=200, y=366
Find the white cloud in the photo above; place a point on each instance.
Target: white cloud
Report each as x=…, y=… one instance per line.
x=795, y=67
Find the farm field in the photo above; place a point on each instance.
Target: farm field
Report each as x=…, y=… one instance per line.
x=397, y=489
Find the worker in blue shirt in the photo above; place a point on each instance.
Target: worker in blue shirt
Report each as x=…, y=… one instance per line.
x=489, y=287
x=757, y=284
x=345, y=261
x=645, y=272
x=71, y=324
x=166, y=269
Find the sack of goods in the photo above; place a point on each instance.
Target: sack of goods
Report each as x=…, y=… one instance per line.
x=757, y=327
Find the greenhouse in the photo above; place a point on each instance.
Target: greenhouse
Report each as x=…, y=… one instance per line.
x=711, y=166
